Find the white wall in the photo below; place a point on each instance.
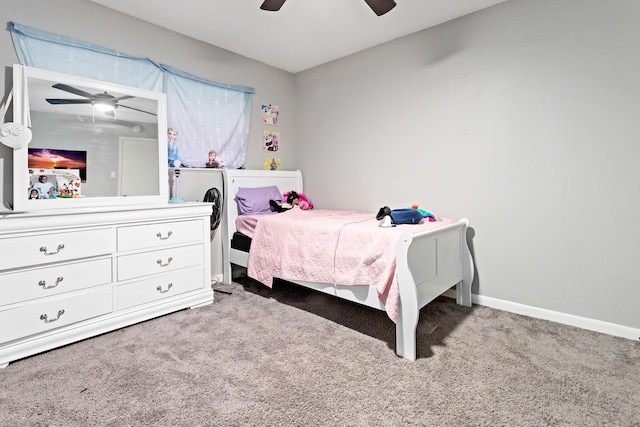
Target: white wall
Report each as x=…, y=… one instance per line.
x=522, y=117
x=89, y=22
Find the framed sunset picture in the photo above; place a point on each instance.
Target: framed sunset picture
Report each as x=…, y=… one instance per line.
x=48, y=158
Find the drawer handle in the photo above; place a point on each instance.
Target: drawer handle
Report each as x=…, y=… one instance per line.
x=159, y=288
x=164, y=265
x=43, y=249
x=46, y=320
x=43, y=283
x=159, y=235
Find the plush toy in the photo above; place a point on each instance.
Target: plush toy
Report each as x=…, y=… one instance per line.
x=292, y=199
x=384, y=216
x=414, y=215
x=298, y=199
x=431, y=217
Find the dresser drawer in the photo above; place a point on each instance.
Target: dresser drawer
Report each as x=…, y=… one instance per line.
x=53, y=280
x=54, y=312
x=46, y=248
x=159, y=235
x=160, y=287
x=160, y=261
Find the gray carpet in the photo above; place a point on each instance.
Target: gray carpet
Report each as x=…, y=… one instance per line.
x=294, y=357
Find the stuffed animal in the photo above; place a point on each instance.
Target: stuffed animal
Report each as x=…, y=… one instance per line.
x=292, y=199
x=384, y=216
x=430, y=217
x=298, y=199
x=414, y=215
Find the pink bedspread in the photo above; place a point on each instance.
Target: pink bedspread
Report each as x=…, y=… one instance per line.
x=327, y=246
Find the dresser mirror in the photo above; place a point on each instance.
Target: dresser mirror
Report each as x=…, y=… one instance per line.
x=94, y=143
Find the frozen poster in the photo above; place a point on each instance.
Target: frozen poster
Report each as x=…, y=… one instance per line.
x=270, y=114
x=272, y=164
x=270, y=140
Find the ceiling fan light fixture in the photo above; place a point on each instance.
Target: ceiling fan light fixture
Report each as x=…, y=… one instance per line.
x=104, y=106
x=380, y=7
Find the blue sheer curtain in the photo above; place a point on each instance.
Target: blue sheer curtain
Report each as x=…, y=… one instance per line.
x=48, y=51
x=207, y=115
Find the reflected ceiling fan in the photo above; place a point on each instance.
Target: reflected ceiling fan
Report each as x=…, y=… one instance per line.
x=380, y=7
x=101, y=101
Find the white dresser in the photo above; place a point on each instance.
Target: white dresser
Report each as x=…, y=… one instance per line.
x=66, y=275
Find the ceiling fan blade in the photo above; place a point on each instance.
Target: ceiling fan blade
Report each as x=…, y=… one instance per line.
x=120, y=98
x=272, y=5
x=72, y=89
x=56, y=101
x=142, y=111
x=380, y=7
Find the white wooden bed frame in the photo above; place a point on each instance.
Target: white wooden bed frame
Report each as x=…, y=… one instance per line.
x=427, y=264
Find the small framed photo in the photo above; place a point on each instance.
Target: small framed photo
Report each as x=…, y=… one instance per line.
x=54, y=184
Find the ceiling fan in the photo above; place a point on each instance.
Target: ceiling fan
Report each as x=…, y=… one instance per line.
x=101, y=101
x=380, y=7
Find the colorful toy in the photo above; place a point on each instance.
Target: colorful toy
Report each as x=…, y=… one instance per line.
x=292, y=199
x=299, y=199
x=431, y=217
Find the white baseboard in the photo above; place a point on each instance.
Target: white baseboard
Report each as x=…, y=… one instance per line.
x=216, y=278
x=555, y=316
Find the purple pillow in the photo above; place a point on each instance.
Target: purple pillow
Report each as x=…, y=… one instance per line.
x=256, y=200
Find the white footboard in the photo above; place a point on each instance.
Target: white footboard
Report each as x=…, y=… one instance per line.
x=427, y=265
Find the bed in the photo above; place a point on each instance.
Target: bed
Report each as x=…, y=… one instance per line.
x=414, y=264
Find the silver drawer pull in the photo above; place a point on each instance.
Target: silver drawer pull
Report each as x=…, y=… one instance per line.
x=43, y=249
x=164, y=265
x=43, y=283
x=46, y=320
x=159, y=235
x=159, y=288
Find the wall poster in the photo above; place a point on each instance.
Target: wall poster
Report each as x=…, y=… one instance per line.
x=272, y=164
x=47, y=158
x=270, y=114
x=270, y=140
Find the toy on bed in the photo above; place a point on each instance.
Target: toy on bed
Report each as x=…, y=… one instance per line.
x=293, y=199
x=430, y=217
x=414, y=215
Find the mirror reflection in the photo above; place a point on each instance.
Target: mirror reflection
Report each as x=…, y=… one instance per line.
x=91, y=143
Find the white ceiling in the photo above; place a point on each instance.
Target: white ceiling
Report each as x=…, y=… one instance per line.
x=303, y=34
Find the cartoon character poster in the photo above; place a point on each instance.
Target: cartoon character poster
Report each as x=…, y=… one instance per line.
x=270, y=114
x=270, y=140
x=272, y=164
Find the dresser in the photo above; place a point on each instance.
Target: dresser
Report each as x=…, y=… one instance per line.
x=67, y=275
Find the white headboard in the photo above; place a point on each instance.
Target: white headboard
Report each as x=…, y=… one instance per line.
x=234, y=179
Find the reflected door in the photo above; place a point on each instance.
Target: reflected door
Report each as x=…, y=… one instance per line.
x=138, y=175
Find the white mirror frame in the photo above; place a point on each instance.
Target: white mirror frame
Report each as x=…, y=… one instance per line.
x=20, y=156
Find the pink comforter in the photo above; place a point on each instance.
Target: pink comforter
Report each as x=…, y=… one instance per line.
x=327, y=246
